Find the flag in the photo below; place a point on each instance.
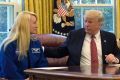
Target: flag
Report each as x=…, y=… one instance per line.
x=60, y=17
x=62, y=11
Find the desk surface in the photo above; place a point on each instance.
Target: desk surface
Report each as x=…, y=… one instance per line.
x=74, y=73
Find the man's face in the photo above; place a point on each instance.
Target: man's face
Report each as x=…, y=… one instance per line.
x=65, y=1
x=92, y=25
x=33, y=25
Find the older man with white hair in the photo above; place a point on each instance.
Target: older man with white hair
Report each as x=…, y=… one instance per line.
x=89, y=45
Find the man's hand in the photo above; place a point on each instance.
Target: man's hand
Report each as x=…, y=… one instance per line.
x=111, y=59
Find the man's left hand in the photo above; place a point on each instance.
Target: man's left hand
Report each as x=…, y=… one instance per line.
x=111, y=58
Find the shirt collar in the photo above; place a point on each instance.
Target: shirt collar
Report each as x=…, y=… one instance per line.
x=97, y=35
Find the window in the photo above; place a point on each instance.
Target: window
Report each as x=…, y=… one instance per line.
x=106, y=6
x=7, y=15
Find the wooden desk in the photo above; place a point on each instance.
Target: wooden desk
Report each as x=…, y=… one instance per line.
x=73, y=73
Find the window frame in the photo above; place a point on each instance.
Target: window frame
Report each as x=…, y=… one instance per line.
x=12, y=15
x=99, y=5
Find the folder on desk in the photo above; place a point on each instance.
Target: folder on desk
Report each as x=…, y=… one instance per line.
x=117, y=65
x=51, y=68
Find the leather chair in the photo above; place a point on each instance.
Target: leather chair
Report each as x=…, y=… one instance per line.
x=53, y=40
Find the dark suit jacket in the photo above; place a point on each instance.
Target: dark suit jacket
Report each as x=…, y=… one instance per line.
x=73, y=46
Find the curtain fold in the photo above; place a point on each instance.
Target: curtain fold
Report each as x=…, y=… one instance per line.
x=118, y=18
x=43, y=9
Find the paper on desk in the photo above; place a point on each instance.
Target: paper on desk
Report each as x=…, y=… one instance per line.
x=117, y=65
x=51, y=68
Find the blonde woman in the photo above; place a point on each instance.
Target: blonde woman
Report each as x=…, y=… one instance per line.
x=20, y=50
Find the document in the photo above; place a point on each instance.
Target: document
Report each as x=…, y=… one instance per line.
x=51, y=68
x=117, y=65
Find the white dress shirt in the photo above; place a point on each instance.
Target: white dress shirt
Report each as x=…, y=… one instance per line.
x=86, y=53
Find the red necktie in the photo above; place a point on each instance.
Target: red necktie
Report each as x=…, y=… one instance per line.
x=94, y=56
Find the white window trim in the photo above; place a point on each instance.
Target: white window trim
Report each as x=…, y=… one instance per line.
x=15, y=12
x=98, y=5
x=11, y=4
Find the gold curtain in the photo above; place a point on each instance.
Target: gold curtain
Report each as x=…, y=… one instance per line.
x=118, y=18
x=43, y=9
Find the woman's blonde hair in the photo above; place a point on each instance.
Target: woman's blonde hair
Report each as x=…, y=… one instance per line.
x=21, y=32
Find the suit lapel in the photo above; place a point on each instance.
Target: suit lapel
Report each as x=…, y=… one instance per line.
x=82, y=37
x=104, y=45
x=81, y=40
